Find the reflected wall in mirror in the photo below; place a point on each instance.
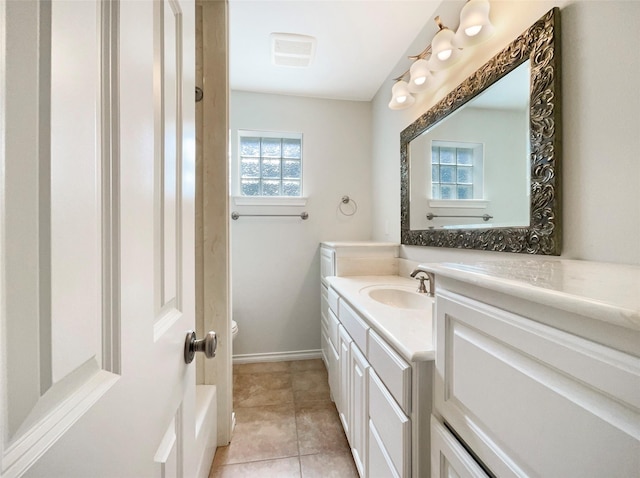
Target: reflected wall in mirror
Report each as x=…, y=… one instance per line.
x=474, y=162
x=479, y=170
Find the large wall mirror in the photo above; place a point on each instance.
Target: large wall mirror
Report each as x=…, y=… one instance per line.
x=480, y=170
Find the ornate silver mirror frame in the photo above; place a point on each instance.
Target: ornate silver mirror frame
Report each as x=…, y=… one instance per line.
x=541, y=45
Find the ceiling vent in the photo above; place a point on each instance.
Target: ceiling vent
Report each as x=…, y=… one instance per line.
x=289, y=49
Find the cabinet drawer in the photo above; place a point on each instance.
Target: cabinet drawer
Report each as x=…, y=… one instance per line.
x=392, y=425
x=379, y=462
x=394, y=372
x=547, y=399
x=333, y=300
x=356, y=327
x=448, y=456
x=333, y=329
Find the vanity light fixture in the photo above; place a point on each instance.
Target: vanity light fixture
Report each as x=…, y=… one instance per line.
x=475, y=26
x=401, y=97
x=420, y=76
x=444, y=51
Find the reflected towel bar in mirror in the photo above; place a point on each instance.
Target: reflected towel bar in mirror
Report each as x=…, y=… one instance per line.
x=485, y=217
x=302, y=215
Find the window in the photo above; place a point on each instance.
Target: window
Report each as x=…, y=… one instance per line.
x=270, y=164
x=456, y=170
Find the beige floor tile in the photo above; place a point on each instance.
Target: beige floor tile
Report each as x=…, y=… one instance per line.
x=260, y=389
x=313, y=364
x=261, y=433
x=282, y=468
x=310, y=385
x=328, y=465
x=319, y=428
x=263, y=367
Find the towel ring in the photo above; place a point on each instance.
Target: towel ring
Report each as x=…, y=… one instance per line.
x=347, y=200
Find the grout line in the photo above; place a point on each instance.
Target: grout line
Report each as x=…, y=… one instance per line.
x=295, y=417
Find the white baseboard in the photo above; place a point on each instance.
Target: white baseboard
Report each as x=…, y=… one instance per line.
x=277, y=356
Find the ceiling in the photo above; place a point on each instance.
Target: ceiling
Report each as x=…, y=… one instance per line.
x=358, y=44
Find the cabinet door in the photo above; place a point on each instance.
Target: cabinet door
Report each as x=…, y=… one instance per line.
x=324, y=324
x=344, y=345
x=380, y=464
x=359, y=409
x=449, y=459
x=324, y=345
x=334, y=379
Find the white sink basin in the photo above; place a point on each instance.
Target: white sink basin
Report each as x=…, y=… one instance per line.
x=398, y=297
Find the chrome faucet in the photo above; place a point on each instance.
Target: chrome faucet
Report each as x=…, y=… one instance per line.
x=422, y=288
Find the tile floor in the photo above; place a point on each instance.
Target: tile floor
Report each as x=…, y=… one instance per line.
x=286, y=425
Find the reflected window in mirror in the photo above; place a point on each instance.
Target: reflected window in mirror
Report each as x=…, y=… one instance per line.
x=456, y=170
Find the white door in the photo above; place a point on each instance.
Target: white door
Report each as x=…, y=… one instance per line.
x=96, y=238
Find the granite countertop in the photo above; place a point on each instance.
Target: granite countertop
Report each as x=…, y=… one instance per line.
x=409, y=331
x=601, y=291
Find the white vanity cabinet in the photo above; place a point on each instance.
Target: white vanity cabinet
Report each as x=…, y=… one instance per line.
x=383, y=400
x=363, y=400
x=537, y=370
x=379, y=360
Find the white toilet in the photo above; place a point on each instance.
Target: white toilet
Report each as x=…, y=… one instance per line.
x=234, y=329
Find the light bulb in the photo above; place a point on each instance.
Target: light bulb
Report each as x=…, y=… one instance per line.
x=401, y=99
x=420, y=81
x=444, y=55
x=472, y=31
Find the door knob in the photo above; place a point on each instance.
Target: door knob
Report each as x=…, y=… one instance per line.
x=207, y=345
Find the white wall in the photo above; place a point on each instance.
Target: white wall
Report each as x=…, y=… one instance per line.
x=275, y=267
x=601, y=127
